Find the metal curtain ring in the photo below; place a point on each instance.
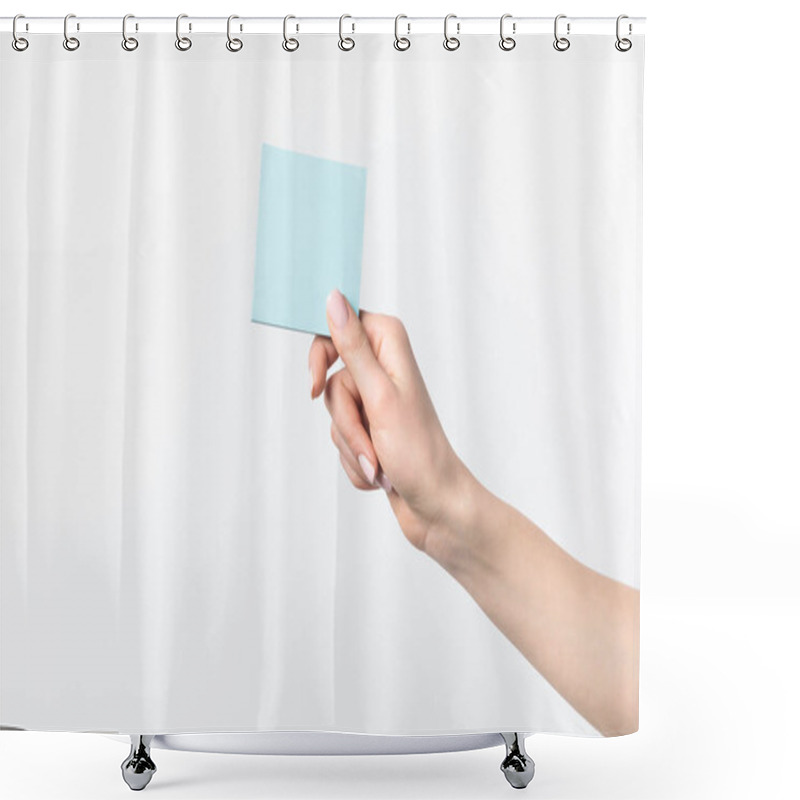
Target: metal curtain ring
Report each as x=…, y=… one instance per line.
x=19, y=43
x=289, y=44
x=129, y=43
x=181, y=42
x=451, y=42
x=401, y=42
x=506, y=42
x=234, y=45
x=561, y=43
x=346, y=42
x=623, y=45
x=70, y=42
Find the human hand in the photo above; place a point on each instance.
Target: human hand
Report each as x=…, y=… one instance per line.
x=577, y=627
x=382, y=419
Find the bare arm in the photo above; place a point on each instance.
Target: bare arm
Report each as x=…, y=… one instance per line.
x=578, y=628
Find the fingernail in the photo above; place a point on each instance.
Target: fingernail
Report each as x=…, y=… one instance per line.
x=384, y=482
x=367, y=468
x=337, y=308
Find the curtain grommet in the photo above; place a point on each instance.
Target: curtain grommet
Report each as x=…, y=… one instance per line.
x=346, y=43
x=401, y=43
x=561, y=43
x=289, y=44
x=233, y=44
x=129, y=43
x=70, y=43
x=19, y=43
x=623, y=44
x=451, y=43
x=507, y=42
x=182, y=43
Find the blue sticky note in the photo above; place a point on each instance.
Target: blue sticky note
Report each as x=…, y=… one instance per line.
x=309, y=239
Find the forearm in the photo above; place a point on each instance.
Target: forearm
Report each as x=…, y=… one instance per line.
x=580, y=629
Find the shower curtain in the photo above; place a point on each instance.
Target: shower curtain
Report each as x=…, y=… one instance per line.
x=182, y=550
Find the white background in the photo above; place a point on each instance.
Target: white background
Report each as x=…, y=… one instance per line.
x=721, y=450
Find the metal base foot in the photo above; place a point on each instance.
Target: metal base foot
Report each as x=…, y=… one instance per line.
x=138, y=768
x=517, y=766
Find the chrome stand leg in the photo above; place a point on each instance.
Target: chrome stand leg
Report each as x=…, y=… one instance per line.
x=138, y=768
x=517, y=766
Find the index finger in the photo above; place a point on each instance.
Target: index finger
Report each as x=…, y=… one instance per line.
x=322, y=356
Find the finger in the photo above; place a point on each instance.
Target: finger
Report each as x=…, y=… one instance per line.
x=390, y=343
x=342, y=402
x=350, y=458
x=352, y=344
x=347, y=379
x=355, y=477
x=381, y=479
x=321, y=356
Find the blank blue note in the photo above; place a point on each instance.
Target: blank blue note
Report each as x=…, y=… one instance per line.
x=309, y=240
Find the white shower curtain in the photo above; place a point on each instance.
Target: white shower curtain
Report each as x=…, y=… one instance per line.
x=181, y=548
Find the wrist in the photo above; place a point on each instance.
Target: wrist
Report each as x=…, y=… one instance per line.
x=457, y=539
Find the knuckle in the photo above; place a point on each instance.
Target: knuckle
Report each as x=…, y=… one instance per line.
x=397, y=328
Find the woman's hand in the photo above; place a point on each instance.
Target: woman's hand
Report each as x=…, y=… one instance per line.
x=382, y=419
x=579, y=628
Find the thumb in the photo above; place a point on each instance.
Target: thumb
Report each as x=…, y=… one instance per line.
x=351, y=342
